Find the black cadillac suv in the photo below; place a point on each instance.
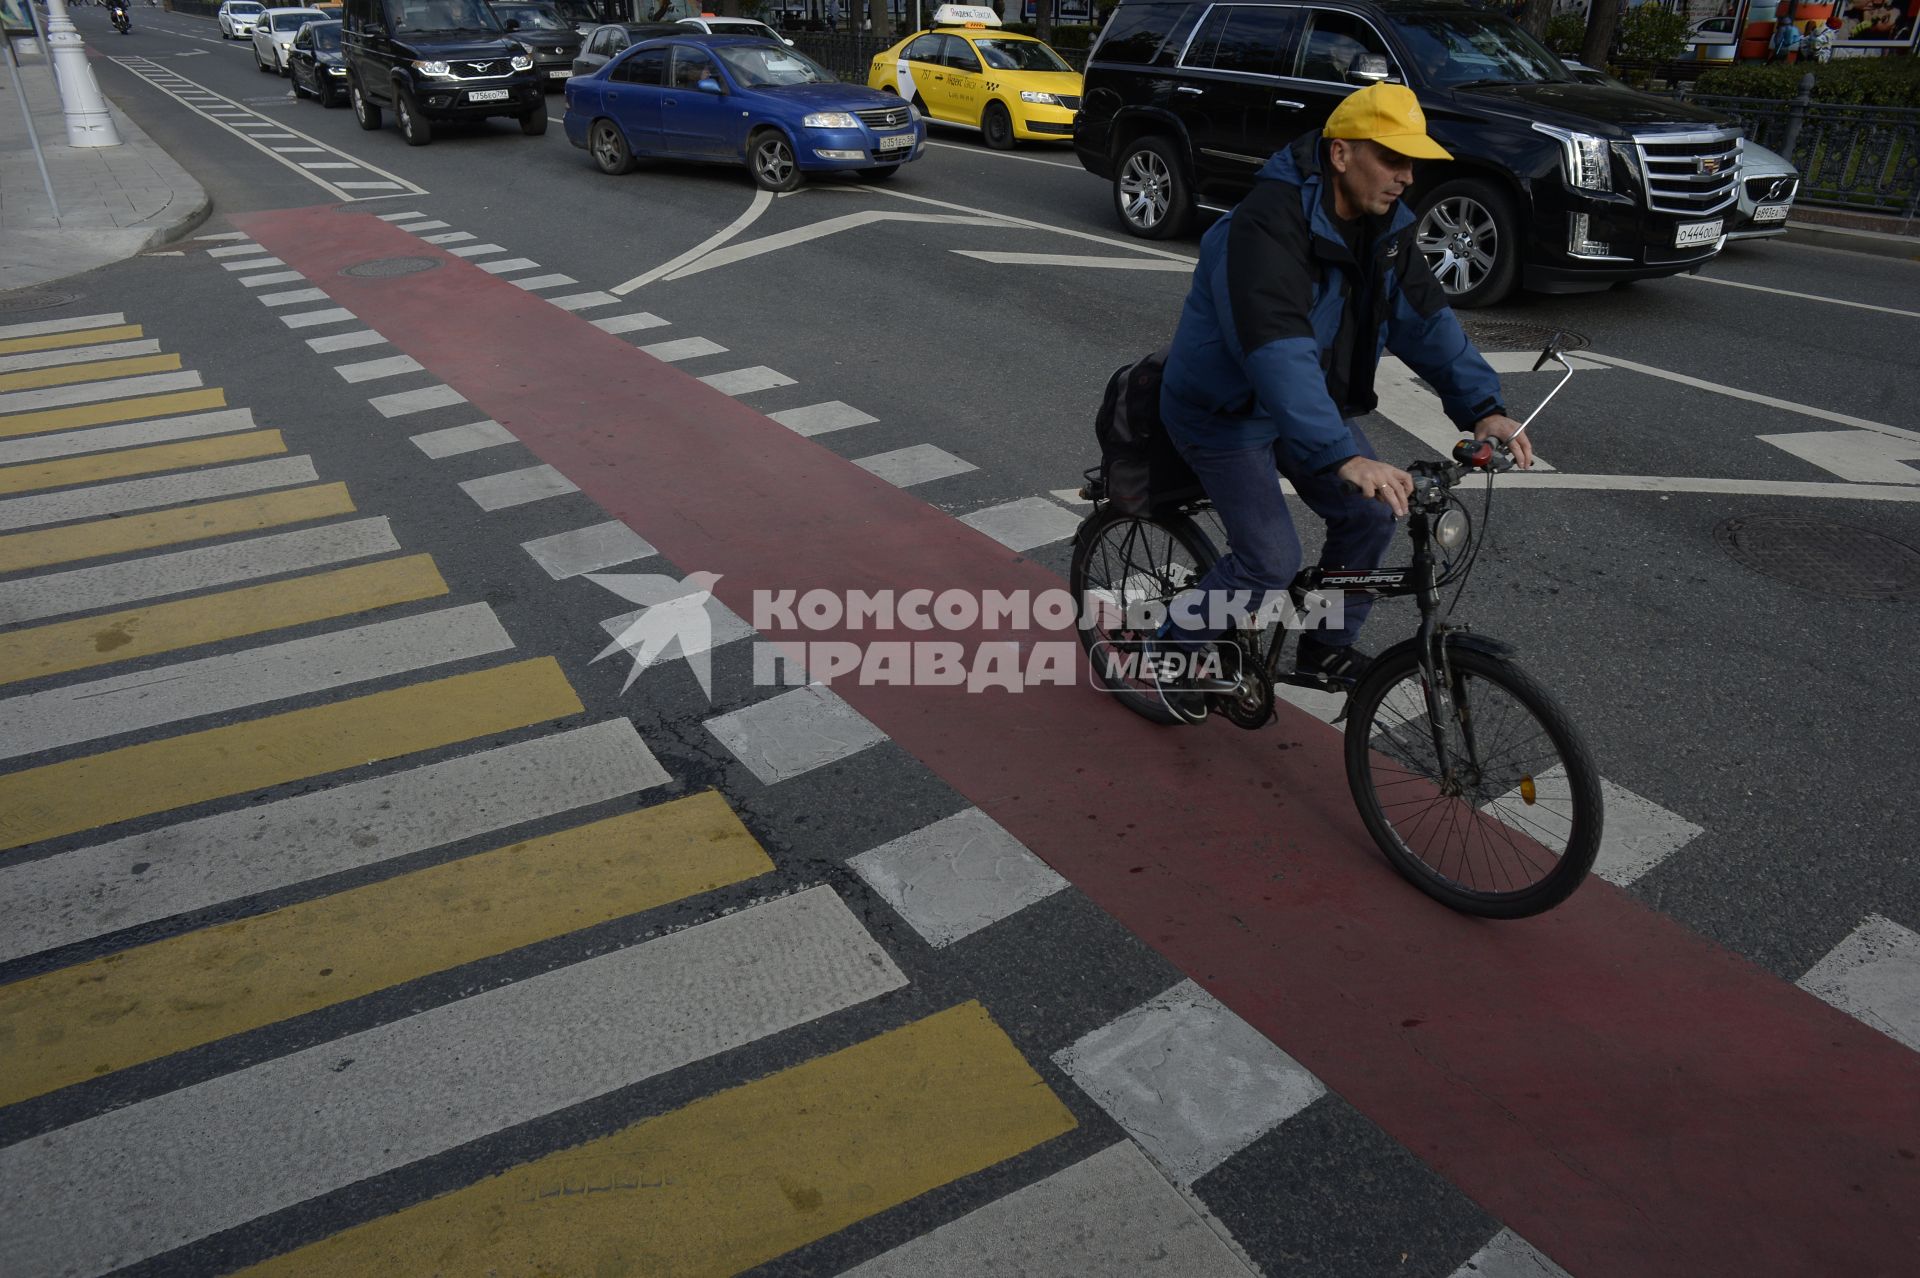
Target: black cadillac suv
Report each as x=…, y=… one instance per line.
x=1556, y=185
x=429, y=60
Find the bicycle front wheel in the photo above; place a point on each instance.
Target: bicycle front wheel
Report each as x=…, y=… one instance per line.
x=1120, y=563
x=1496, y=810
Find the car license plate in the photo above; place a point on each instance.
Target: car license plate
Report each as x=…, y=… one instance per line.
x=558, y=75
x=500, y=95
x=898, y=142
x=1696, y=233
x=1771, y=213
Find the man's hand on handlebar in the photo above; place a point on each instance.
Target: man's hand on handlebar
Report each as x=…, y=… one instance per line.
x=1378, y=480
x=1501, y=427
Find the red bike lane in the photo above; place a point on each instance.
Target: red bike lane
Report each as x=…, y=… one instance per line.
x=1628, y=1097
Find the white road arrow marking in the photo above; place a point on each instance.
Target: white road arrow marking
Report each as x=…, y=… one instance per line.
x=1863, y=456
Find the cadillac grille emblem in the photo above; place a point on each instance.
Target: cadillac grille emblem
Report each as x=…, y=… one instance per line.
x=1707, y=165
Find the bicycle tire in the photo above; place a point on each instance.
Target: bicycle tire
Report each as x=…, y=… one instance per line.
x=1087, y=546
x=1500, y=802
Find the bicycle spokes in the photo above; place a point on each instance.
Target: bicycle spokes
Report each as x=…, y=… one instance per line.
x=1479, y=794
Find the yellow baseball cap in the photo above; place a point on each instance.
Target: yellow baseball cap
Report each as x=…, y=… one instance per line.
x=1388, y=114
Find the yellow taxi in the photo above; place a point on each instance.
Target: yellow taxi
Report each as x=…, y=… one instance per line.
x=965, y=71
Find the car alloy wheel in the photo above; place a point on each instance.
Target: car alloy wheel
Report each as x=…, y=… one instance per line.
x=774, y=167
x=609, y=148
x=1461, y=242
x=1150, y=189
x=413, y=126
x=1146, y=186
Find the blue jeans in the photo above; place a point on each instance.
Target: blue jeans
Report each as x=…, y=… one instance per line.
x=1264, y=552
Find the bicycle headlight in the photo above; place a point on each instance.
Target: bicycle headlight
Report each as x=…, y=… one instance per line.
x=1586, y=160
x=1450, y=530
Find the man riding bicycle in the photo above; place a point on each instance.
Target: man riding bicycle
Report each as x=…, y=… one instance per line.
x=1297, y=291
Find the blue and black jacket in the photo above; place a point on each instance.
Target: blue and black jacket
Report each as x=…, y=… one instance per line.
x=1279, y=339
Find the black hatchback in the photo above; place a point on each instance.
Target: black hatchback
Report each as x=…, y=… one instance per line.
x=315, y=63
x=1556, y=185
x=548, y=38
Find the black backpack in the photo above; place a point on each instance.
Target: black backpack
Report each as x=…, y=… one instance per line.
x=1141, y=470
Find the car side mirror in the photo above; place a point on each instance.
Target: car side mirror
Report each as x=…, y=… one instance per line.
x=1368, y=68
x=513, y=24
x=710, y=85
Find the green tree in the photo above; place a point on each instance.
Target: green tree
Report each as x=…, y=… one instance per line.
x=1649, y=33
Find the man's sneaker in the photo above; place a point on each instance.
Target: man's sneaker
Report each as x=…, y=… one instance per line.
x=1339, y=665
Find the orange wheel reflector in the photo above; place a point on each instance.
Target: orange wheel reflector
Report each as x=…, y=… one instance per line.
x=1526, y=790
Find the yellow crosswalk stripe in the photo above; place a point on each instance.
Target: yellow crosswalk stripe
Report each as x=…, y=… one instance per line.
x=152, y=459
x=66, y=646
x=81, y=1022
x=42, y=547
x=60, y=341
x=68, y=374
x=113, y=410
x=735, y=1179
x=158, y=776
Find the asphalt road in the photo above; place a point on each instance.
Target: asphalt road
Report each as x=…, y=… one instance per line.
x=1754, y=717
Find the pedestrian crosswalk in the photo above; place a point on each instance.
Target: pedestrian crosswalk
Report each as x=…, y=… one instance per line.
x=260, y=766
x=264, y=765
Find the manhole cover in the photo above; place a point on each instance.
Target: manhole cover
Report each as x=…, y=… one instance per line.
x=1517, y=335
x=1819, y=555
x=383, y=267
x=35, y=299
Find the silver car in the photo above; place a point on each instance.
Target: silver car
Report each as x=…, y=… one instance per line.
x=275, y=31
x=237, y=18
x=1768, y=185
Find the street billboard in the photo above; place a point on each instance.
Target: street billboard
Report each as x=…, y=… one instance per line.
x=1877, y=24
x=14, y=18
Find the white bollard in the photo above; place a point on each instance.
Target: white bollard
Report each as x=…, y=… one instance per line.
x=89, y=122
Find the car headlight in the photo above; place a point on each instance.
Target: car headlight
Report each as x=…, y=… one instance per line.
x=1586, y=160
x=438, y=69
x=830, y=120
x=336, y=70
x=521, y=62
x=1040, y=99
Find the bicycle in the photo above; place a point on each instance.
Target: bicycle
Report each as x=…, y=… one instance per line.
x=1468, y=775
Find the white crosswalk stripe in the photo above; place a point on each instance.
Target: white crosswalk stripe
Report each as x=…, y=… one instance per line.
x=135, y=1182
x=186, y=571
x=159, y=430
x=160, y=490
x=92, y=891
x=236, y=681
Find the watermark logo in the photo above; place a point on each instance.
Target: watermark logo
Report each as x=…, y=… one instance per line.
x=994, y=639
x=1138, y=661
x=675, y=622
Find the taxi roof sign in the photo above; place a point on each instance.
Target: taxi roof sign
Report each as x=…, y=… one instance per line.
x=965, y=15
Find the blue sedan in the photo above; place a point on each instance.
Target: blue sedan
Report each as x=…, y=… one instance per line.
x=735, y=99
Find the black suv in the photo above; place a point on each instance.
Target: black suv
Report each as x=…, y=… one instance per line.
x=1557, y=185
x=550, y=39
x=436, y=60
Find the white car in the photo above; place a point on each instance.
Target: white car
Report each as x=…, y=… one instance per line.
x=275, y=31
x=237, y=18
x=735, y=26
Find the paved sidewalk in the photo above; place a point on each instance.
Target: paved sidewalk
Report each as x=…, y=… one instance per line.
x=114, y=201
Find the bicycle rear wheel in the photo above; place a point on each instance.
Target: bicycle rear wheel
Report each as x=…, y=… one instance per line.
x=1120, y=562
x=1509, y=824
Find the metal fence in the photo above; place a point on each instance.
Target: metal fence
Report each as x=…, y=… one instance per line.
x=1850, y=157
